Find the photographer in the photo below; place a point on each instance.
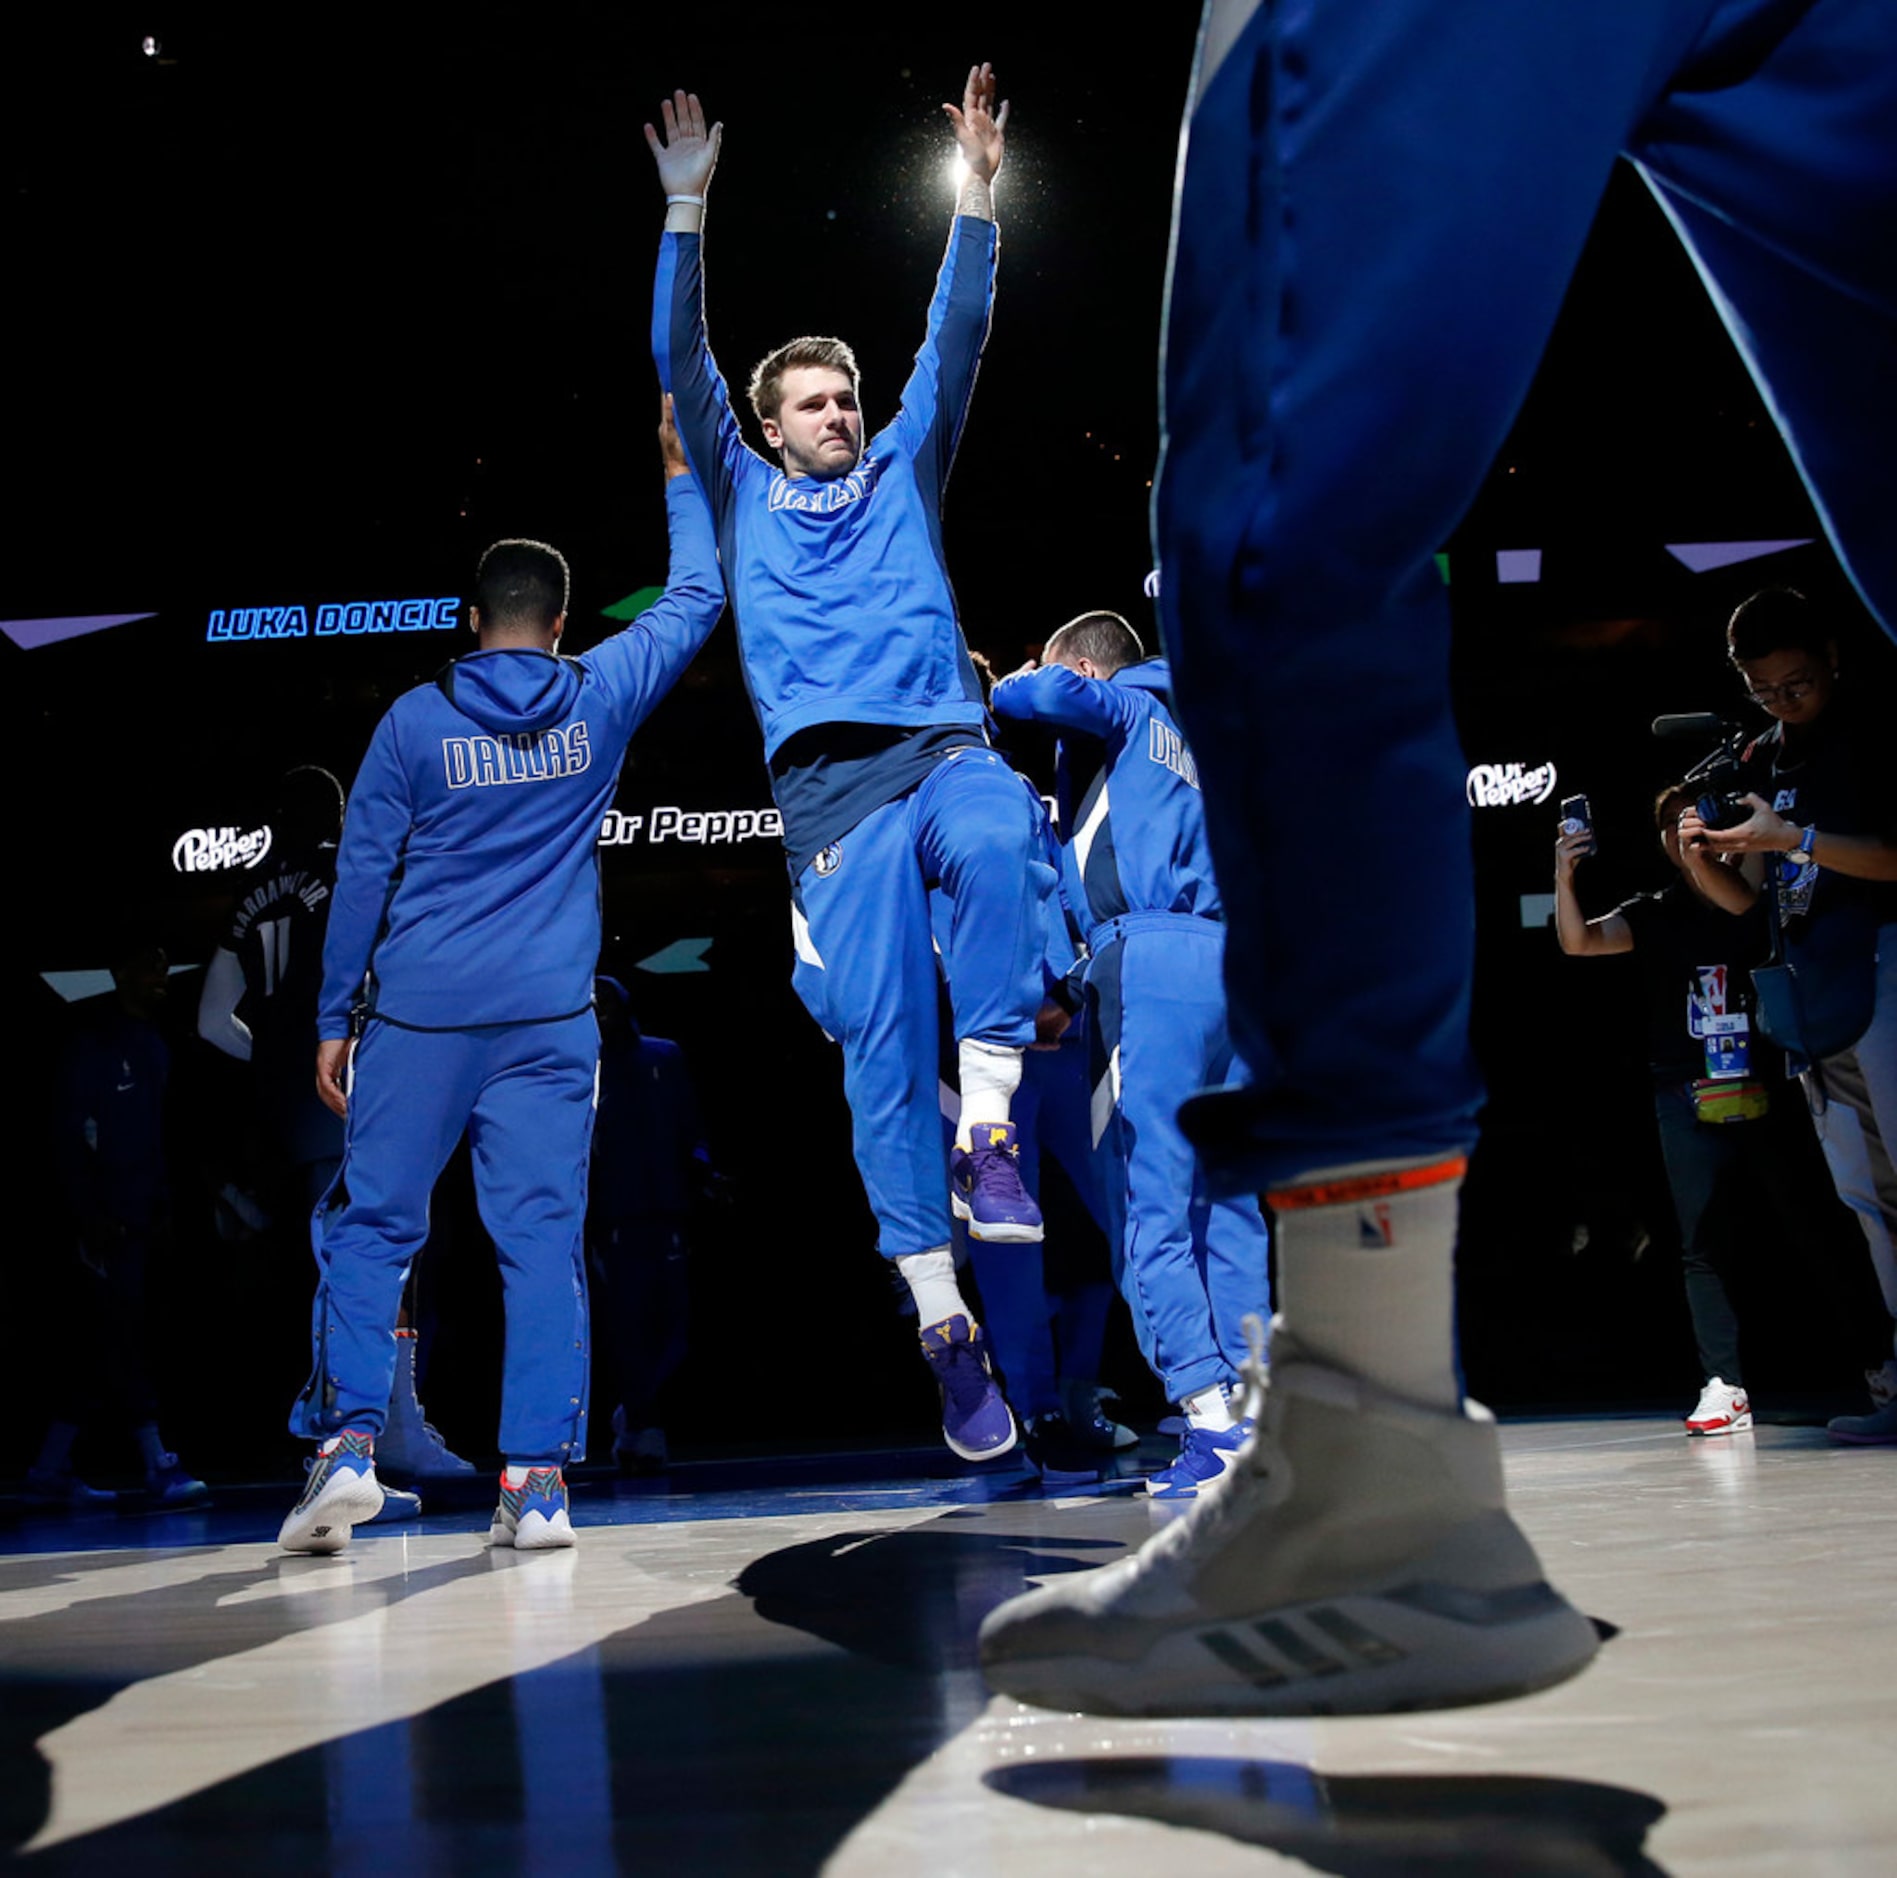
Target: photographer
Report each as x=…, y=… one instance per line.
x=1712, y=1099
x=1824, y=817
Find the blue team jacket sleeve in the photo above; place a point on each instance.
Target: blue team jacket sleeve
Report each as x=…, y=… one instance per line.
x=681, y=351
x=368, y=865
x=639, y=665
x=1055, y=695
x=935, y=400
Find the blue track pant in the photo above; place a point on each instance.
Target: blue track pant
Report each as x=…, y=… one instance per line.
x=1380, y=207
x=866, y=967
x=1191, y=1268
x=524, y=1094
x=1050, y=1113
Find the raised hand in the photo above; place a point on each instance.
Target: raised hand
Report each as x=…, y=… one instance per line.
x=671, y=450
x=978, y=125
x=688, y=152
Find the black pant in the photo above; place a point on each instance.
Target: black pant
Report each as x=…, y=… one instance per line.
x=1712, y=1161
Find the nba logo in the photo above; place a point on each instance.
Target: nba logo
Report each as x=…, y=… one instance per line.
x=1374, y=1227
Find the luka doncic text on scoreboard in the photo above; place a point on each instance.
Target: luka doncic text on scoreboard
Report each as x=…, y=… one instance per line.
x=340, y=618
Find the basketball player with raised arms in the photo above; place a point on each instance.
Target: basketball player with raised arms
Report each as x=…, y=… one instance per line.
x=874, y=732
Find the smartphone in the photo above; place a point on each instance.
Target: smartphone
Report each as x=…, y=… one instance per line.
x=1576, y=817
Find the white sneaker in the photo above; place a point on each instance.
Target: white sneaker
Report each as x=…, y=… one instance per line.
x=532, y=1516
x=342, y=1492
x=1724, y=1409
x=1356, y=1558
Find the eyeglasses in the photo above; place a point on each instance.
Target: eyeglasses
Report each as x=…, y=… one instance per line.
x=1788, y=693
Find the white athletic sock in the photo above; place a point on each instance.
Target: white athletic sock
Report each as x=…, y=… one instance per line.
x=1366, y=1272
x=931, y=1278
x=1208, y=1409
x=990, y=1074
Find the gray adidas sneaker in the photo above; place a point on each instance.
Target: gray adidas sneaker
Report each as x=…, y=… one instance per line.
x=1356, y=1558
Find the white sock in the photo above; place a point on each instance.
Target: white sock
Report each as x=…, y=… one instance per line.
x=990, y=1074
x=931, y=1278
x=1208, y=1409
x=514, y=1474
x=1366, y=1272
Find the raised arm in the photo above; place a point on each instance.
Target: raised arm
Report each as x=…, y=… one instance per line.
x=1580, y=936
x=979, y=134
x=642, y=662
x=685, y=156
x=935, y=400
x=1058, y=695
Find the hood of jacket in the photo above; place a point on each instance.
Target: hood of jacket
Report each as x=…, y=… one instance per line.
x=1153, y=675
x=510, y=692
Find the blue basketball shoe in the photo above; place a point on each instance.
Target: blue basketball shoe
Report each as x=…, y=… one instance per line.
x=976, y=1420
x=397, y=1505
x=985, y=1188
x=1204, y=1455
x=532, y=1517
x=342, y=1491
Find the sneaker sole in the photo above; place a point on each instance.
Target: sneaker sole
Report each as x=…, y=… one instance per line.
x=985, y=1454
x=536, y=1533
x=347, y=1501
x=996, y=1232
x=1737, y=1426
x=1356, y=1655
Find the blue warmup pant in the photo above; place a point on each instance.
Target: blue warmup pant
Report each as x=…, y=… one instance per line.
x=1381, y=205
x=866, y=967
x=1191, y=1268
x=1050, y=1112
x=524, y=1094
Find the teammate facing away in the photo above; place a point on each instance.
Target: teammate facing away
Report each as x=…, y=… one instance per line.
x=1136, y=874
x=874, y=735
x=457, y=994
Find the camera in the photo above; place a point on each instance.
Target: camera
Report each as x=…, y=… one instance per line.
x=1722, y=809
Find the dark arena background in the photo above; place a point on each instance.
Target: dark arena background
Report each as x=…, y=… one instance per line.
x=308, y=305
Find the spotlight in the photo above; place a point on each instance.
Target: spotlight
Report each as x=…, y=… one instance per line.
x=153, y=46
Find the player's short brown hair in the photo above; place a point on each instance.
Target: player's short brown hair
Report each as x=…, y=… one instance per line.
x=767, y=376
x=1105, y=639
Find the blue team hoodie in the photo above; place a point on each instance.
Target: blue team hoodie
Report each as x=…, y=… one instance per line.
x=467, y=886
x=1135, y=842
x=840, y=587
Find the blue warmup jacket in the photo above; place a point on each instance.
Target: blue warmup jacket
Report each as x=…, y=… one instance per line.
x=1135, y=842
x=467, y=885
x=842, y=597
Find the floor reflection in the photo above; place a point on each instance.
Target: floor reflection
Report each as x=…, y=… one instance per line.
x=1366, y=1826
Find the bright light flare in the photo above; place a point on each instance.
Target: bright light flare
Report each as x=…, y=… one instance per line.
x=957, y=173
